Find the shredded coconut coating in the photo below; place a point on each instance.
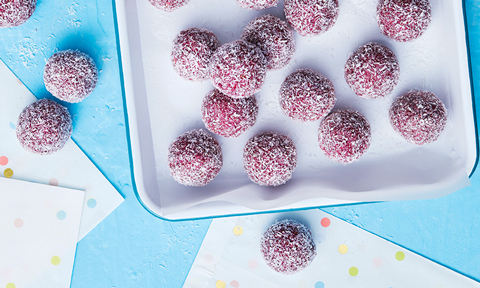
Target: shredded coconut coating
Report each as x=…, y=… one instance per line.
x=70, y=75
x=306, y=95
x=15, y=12
x=273, y=37
x=257, y=4
x=403, y=20
x=44, y=127
x=372, y=71
x=270, y=158
x=195, y=158
x=238, y=69
x=344, y=136
x=168, y=5
x=311, y=17
x=419, y=116
x=191, y=53
x=288, y=247
x=228, y=116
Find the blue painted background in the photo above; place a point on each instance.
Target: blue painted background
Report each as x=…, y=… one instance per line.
x=131, y=248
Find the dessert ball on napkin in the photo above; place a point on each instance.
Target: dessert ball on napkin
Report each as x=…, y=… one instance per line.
x=15, y=13
x=311, y=17
x=257, y=4
x=168, y=5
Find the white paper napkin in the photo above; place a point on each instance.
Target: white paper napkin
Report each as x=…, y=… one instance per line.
x=39, y=227
x=69, y=167
x=347, y=256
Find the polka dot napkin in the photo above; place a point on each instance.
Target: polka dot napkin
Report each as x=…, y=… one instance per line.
x=347, y=256
x=69, y=167
x=39, y=227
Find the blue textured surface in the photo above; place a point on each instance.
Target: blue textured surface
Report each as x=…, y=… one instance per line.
x=131, y=248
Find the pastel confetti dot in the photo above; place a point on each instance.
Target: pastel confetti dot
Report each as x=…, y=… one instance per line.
x=53, y=182
x=209, y=258
x=238, y=230
x=18, y=223
x=10, y=285
x=12, y=125
x=377, y=262
x=61, y=215
x=319, y=284
x=3, y=160
x=91, y=203
x=8, y=173
x=325, y=222
x=253, y=264
x=220, y=284
x=235, y=284
x=343, y=249
x=399, y=255
x=353, y=271
x=55, y=260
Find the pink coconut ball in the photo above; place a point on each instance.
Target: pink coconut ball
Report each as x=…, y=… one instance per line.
x=191, y=53
x=288, y=247
x=228, y=116
x=270, y=158
x=273, y=37
x=403, y=20
x=372, y=71
x=44, y=127
x=15, y=12
x=168, y=5
x=419, y=116
x=238, y=69
x=257, y=4
x=195, y=158
x=70, y=75
x=344, y=136
x=306, y=95
x=311, y=17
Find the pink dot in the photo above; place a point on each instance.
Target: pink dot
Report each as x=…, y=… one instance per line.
x=253, y=264
x=325, y=222
x=53, y=182
x=3, y=160
x=18, y=223
x=235, y=284
x=209, y=258
x=377, y=262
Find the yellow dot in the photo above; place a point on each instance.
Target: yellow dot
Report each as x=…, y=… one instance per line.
x=10, y=285
x=353, y=271
x=8, y=173
x=400, y=256
x=220, y=284
x=343, y=249
x=55, y=260
x=238, y=230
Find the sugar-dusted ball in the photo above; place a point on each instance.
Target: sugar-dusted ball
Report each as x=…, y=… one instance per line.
x=273, y=36
x=15, y=12
x=270, y=158
x=306, y=95
x=238, y=69
x=70, y=75
x=344, y=136
x=419, y=116
x=257, y=4
x=228, y=116
x=403, y=20
x=191, y=53
x=311, y=17
x=44, y=127
x=195, y=158
x=288, y=247
x=372, y=71
x=168, y=5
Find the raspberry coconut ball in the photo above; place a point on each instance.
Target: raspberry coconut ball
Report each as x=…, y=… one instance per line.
x=311, y=17
x=372, y=71
x=419, y=116
x=273, y=37
x=15, y=12
x=270, y=158
x=344, y=136
x=257, y=4
x=70, y=75
x=288, y=247
x=191, y=53
x=44, y=127
x=306, y=95
x=195, y=158
x=168, y=5
x=238, y=69
x=403, y=20
x=228, y=116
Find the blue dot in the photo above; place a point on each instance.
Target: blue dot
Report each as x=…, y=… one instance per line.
x=61, y=215
x=91, y=203
x=12, y=125
x=319, y=284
